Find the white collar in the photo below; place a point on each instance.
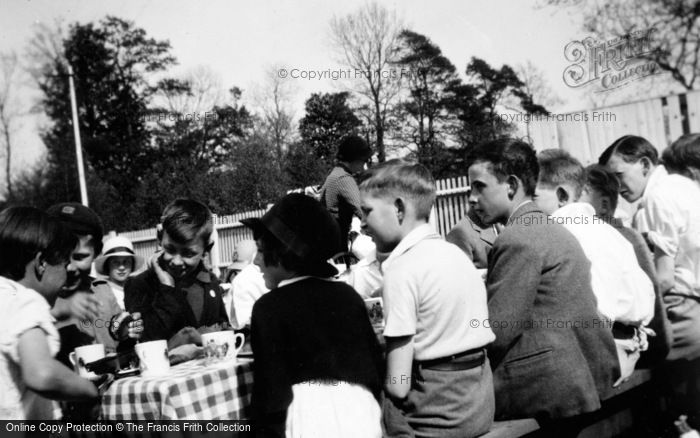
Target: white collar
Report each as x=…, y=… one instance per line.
x=658, y=174
x=416, y=235
x=575, y=209
x=297, y=279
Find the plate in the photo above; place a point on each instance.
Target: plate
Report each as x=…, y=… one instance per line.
x=127, y=373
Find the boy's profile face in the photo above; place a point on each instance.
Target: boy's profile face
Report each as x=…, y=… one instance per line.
x=601, y=203
x=52, y=281
x=380, y=220
x=488, y=196
x=80, y=262
x=631, y=175
x=181, y=259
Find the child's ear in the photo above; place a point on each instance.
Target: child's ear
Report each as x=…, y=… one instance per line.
x=562, y=196
x=646, y=165
x=39, y=265
x=513, y=184
x=605, y=204
x=400, y=209
x=159, y=233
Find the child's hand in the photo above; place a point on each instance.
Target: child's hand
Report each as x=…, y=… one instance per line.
x=135, y=327
x=126, y=325
x=187, y=335
x=163, y=276
x=80, y=305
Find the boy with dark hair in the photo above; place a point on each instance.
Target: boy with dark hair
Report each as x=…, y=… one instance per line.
x=438, y=380
x=683, y=157
x=552, y=357
x=624, y=293
x=669, y=218
x=177, y=291
x=87, y=309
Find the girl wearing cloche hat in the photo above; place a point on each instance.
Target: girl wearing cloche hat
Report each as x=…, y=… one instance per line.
x=117, y=262
x=318, y=365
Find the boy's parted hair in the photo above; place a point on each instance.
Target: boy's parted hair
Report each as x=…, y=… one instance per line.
x=508, y=156
x=399, y=177
x=683, y=154
x=605, y=182
x=185, y=220
x=631, y=148
x=27, y=231
x=558, y=167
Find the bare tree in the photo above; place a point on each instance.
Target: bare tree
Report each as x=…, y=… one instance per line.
x=367, y=42
x=201, y=91
x=273, y=99
x=9, y=110
x=673, y=26
x=44, y=49
x=535, y=84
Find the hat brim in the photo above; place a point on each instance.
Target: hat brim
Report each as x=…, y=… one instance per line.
x=102, y=260
x=255, y=224
x=322, y=269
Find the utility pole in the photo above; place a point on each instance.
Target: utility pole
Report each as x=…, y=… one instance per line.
x=78, y=144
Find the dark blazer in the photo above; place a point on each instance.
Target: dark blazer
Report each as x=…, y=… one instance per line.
x=474, y=238
x=553, y=357
x=165, y=310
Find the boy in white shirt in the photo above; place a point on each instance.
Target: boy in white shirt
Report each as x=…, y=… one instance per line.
x=669, y=218
x=624, y=292
x=438, y=376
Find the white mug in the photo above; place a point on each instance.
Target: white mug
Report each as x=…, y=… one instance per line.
x=226, y=339
x=86, y=354
x=153, y=358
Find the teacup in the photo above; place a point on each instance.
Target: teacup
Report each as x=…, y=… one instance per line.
x=225, y=341
x=86, y=354
x=153, y=358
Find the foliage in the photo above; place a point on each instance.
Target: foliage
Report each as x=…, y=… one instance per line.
x=327, y=119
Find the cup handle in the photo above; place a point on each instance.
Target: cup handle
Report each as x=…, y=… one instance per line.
x=71, y=357
x=237, y=349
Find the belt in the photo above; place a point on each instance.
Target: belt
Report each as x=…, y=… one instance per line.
x=457, y=362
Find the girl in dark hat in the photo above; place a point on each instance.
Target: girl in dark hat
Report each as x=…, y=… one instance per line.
x=318, y=364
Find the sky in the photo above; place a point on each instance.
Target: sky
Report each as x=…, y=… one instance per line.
x=240, y=41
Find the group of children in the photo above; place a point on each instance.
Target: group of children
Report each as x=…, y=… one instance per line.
x=571, y=300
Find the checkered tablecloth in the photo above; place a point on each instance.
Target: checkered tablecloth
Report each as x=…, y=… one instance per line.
x=192, y=390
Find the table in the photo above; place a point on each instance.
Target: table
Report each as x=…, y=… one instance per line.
x=192, y=390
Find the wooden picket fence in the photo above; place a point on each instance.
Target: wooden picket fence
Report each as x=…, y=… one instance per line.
x=586, y=134
x=450, y=206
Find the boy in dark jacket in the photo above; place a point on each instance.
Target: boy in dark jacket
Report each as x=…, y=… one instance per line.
x=177, y=290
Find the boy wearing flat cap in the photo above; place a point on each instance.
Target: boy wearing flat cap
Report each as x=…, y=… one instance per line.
x=86, y=307
x=318, y=363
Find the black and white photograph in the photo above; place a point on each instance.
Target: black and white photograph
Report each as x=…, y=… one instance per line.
x=370, y=218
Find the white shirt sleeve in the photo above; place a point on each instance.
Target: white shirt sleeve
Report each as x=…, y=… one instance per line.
x=400, y=304
x=665, y=222
x=25, y=311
